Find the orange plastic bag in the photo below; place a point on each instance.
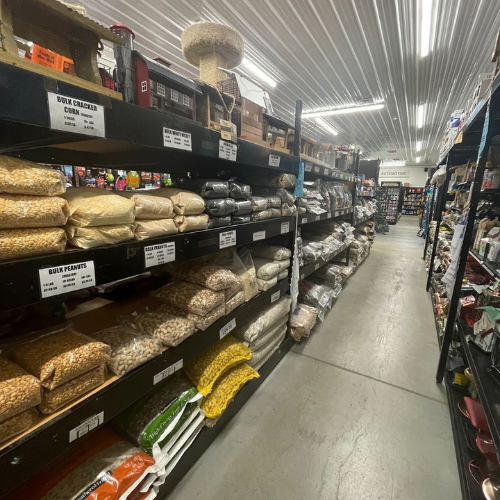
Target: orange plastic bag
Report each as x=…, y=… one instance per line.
x=102, y=466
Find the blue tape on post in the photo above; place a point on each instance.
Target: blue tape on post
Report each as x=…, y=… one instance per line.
x=299, y=185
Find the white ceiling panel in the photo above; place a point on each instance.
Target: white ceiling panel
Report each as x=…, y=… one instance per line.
x=338, y=52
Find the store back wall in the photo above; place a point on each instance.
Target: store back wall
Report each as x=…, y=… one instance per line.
x=413, y=174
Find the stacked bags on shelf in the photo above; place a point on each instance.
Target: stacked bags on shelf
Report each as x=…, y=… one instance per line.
x=359, y=249
x=302, y=321
x=264, y=335
x=67, y=363
x=271, y=264
x=318, y=295
x=32, y=215
x=188, y=208
x=100, y=466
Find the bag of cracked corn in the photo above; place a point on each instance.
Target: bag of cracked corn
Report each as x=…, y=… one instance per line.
x=19, y=176
x=90, y=237
x=97, y=207
x=265, y=285
x=154, y=416
x=206, y=368
x=171, y=330
x=16, y=243
x=144, y=229
x=185, y=202
x=201, y=322
x=17, y=424
x=271, y=252
x=191, y=222
x=235, y=302
x=272, y=314
x=210, y=276
x=59, y=356
x=99, y=466
x=268, y=348
x=226, y=388
x=150, y=207
x=129, y=348
x=190, y=297
x=54, y=399
x=266, y=269
x=18, y=389
x=18, y=211
x=302, y=321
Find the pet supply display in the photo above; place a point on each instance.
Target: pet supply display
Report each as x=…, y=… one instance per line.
x=19, y=211
x=54, y=399
x=206, y=368
x=16, y=243
x=171, y=330
x=97, y=207
x=129, y=348
x=144, y=229
x=191, y=222
x=90, y=237
x=60, y=356
x=19, y=176
x=225, y=388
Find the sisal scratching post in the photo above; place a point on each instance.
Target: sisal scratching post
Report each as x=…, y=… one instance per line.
x=210, y=46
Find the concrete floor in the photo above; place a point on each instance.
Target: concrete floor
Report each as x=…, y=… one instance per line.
x=354, y=412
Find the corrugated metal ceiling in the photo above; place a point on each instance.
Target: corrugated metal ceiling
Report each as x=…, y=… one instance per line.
x=338, y=52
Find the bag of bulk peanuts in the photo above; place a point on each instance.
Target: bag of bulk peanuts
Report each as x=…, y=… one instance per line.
x=101, y=466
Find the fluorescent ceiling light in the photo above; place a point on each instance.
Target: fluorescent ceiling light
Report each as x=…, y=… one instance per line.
x=327, y=127
x=342, y=111
x=419, y=146
x=420, y=116
x=393, y=164
x=253, y=68
x=417, y=159
x=426, y=31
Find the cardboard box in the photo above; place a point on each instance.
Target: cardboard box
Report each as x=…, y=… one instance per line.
x=228, y=131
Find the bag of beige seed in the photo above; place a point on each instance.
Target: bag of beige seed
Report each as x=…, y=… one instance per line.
x=185, y=202
x=148, y=206
x=144, y=229
x=19, y=176
x=16, y=243
x=90, y=237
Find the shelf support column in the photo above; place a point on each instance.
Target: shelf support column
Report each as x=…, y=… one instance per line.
x=429, y=218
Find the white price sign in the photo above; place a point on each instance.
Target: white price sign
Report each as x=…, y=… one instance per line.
x=86, y=426
x=227, y=150
x=328, y=215
x=304, y=220
x=176, y=139
x=229, y=327
x=327, y=171
x=227, y=239
x=74, y=115
x=68, y=278
x=156, y=255
x=259, y=235
x=168, y=371
x=275, y=296
x=308, y=167
x=285, y=227
x=274, y=161
x=318, y=217
x=316, y=169
x=316, y=267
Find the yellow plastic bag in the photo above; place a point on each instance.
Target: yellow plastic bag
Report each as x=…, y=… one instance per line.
x=226, y=388
x=206, y=368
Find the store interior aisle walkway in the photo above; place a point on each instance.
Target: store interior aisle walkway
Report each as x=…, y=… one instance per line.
x=354, y=412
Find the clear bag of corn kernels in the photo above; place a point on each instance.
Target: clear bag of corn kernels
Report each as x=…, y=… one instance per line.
x=206, y=368
x=226, y=388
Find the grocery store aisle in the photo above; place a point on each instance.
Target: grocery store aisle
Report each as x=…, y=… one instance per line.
x=354, y=412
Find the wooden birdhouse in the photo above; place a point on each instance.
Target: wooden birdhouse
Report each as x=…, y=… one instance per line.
x=280, y=135
x=50, y=38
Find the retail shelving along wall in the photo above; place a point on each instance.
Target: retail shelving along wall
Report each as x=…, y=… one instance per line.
x=152, y=232
x=461, y=254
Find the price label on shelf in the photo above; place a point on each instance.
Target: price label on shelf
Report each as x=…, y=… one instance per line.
x=227, y=150
x=259, y=235
x=156, y=255
x=168, y=371
x=227, y=239
x=304, y=220
x=285, y=227
x=308, y=167
x=228, y=328
x=75, y=115
x=274, y=161
x=318, y=217
x=302, y=276
x=328, y=215
x=68, y=278
x=316, y=169
x=177, y=139
x=86, y=426
x=275, y=296
x=316, y=267
x=327, y=171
